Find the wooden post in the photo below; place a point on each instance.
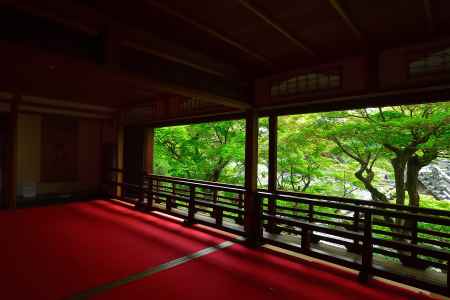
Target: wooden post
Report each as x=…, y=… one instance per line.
x=272, y=176
x=367, y=251
x=219, y=216
x=12, y=155
x=310, y=213
x=448, y=276
x=141, y=202
x=252, y=214
x=191, y=209
x=306, y=239
x=169, y=203
x=149, y=135
x=356, y=245
x=239, y=219
x=214, y=212
x=414, y=236
x=120, y=149
x=150, y=193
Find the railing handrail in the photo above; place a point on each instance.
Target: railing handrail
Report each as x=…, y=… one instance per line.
x=353, y=207
x=197, y=180
x=423, y=210
x=423, y=213
x=212, y=186
x=198, y=183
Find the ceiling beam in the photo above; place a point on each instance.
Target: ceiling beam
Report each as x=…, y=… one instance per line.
x=277, y=27
x=172, y=58
x=208, y=30
x=429, y=14
x=345, y=17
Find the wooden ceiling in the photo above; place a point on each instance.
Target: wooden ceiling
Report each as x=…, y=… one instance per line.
x=264, y=36
x=220, y=46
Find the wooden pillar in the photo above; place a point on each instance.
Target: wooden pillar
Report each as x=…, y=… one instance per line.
x=148, y=149
x=272, y=178
x=120, y=149
x=12, y=155
x=273, y=145
x=148, y=162
x=252, y=215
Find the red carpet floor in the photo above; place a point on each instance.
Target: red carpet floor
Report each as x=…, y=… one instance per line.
x=241, y=273
x=56, y=251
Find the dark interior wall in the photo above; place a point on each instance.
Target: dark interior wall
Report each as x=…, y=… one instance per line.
x=133, y=154
x=3, y=145
x=92, y=135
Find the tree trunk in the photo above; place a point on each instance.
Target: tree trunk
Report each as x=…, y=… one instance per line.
x=399, y=165
x=412, y=181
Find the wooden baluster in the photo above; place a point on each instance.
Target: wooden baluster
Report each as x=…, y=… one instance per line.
x=219, y=216
x=174, y=192
x=314, y=238
x=240, y=219
x=191, y=209
x=158, y=190
x=272, y=210
x=448, y=275
x=310, y=213
x=141, y=200
x=150, y=193
x=169, y=203
x=214, y=212
x=414, y=238
x=367, y=249
x=306, y=239
x=356, y=248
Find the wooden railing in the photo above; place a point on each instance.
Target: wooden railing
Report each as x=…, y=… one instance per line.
x=366, y=229
x=196, y=201
x=375, y=238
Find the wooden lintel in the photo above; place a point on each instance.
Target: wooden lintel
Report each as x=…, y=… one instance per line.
x=277, y=27
x=201, y=95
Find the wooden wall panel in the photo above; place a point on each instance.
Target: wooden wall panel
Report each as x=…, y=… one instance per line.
x=59, y=156
x=89, y=153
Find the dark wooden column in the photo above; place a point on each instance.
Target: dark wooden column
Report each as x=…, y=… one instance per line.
x=148, y=149
x=149, y=139
x=273, y=144
x=272, y=178
x=252, y=216
x=12, y=155
x=119, y=152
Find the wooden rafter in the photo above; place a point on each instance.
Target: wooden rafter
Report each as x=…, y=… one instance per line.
x=277, y=27
x=179, y=60
x=345, y=17
x=208, y=30
x=429, y=14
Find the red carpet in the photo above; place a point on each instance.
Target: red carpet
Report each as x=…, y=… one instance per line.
x=57, y=251
x=241, y=273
